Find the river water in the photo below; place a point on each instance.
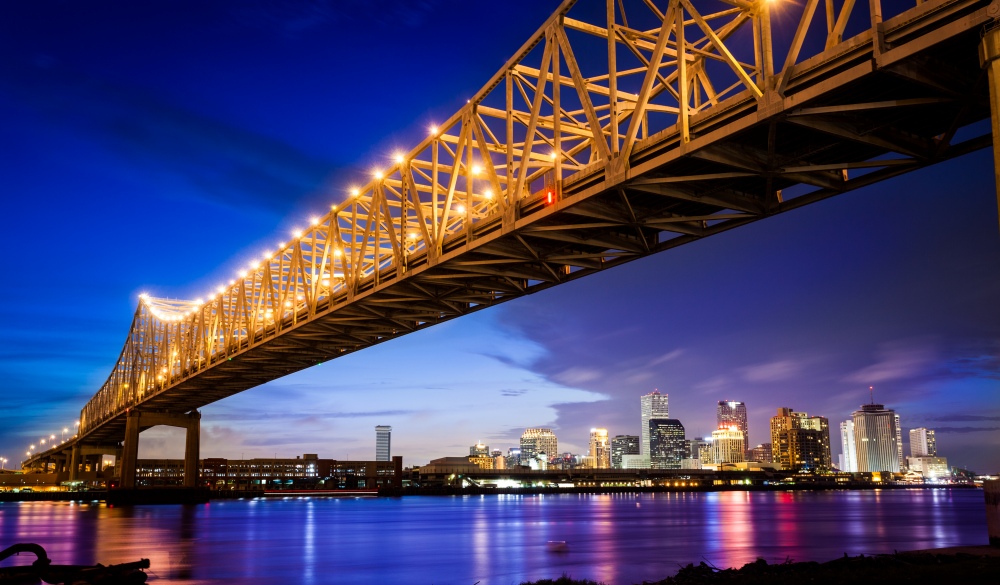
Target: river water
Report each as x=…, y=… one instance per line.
x=497, y=539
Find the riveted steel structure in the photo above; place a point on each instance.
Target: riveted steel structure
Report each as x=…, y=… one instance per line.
x=620, y=129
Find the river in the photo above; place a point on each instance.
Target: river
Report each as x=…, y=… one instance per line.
x=618, y=539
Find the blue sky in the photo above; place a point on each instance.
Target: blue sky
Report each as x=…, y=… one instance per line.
x=158, y=146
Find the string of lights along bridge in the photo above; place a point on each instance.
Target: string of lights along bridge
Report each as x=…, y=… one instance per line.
x=618, y=130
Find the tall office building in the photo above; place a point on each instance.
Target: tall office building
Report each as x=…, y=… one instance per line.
x=382, y=440
x=513, y=459
x=700, y=448
x=800, y=442
x=728, y=445
x=623, y=445
x=761, y=453
x=537, y=441
x=667, y=445
x=730, y=413
x=922, y=443
x=479, y=450
x=600, y=449
x=848, y=450
x=652, y=405
x=877, y=439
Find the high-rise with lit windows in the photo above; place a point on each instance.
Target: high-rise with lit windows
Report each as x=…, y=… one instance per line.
x=800, y=442
x=728, y=445
x=382, y=442
x=600, y=448
x=667, y=443
x=652, y=405
x=730, y=413
x=923, y=443
x=877, y=440
x=623, y=445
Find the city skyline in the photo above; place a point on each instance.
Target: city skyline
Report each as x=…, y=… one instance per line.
x=885, y=286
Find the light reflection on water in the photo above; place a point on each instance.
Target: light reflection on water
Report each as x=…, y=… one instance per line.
x=502, y=539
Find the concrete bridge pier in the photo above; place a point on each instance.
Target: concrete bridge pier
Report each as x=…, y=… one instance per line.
x=139, y=421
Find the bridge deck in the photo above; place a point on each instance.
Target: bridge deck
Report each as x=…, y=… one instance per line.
x=887, y=101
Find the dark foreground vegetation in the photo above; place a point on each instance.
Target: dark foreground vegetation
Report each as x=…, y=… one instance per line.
x=894, y=568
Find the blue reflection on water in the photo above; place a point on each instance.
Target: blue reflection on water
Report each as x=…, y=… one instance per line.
x=504, y=539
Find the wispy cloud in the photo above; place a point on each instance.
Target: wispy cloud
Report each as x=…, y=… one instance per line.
x=900, y=360
x=965, y=429
x=577, y=375
x=963, y=418
x=772, y=371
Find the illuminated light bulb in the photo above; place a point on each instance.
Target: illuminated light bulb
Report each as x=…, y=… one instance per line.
x=378, y=174
x=300, y=298
x=488, y=194
x=243, y=274
x=337, y=252
x=412, y=235
x=553, y=155
x=297, y=234
x=199, y=301
x=355, y=192
x=143, y=296
x=221, y=289
x=433, y=130
x=400, y=159
x=460, y=209
x=476, y=169
x=288, y=304
x=315, y=220
x=325, y=282
x=333, y=208
x=255, y=266
x=232, y=283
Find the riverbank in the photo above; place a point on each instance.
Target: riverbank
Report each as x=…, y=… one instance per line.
x=959, y=565
x=150, y=495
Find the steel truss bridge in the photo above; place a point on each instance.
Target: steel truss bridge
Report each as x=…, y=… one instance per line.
x=618, y=130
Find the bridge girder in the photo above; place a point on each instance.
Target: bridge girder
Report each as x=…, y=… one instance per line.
x=573, y=159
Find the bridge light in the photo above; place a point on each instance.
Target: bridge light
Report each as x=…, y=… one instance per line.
x=199, y=301
x=460, y=208
x=355, y=192
x=377, y=175
x=400, y=159
x=549, y=197
x=314, y=220
x=476, y=169
x=553, y=155
x=488, y=194
x=297, y=234
x=221, y=289
x=232, y=283
x=243, y=273
x=337, y=252
x=433, y=130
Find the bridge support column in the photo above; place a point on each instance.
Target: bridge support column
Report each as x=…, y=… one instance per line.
x=989, y=59
x=74, y=462
x=138, y=421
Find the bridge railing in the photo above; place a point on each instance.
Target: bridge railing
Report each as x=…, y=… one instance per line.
x=579, y=99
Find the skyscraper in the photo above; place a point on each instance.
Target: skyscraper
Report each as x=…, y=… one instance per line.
x=800, y=442
x=922, y=442
x=382, y=440
x=730, y=413
x=728, y=445
x=666, y=443
x=623, y=445
x=479, y=450
x=848, y=450
x=600, y=449
x=653, y=405
x=537, y=441
x=877, y=438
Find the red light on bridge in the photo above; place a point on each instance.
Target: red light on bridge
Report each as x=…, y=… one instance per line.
x=549, y=197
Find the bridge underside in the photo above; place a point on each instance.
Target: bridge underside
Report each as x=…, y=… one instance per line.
x=904, y=95
x=847, y=118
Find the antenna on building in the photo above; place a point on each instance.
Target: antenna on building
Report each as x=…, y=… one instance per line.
x=871, y=395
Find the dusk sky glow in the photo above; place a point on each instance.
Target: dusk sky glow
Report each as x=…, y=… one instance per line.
x=160, y=146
